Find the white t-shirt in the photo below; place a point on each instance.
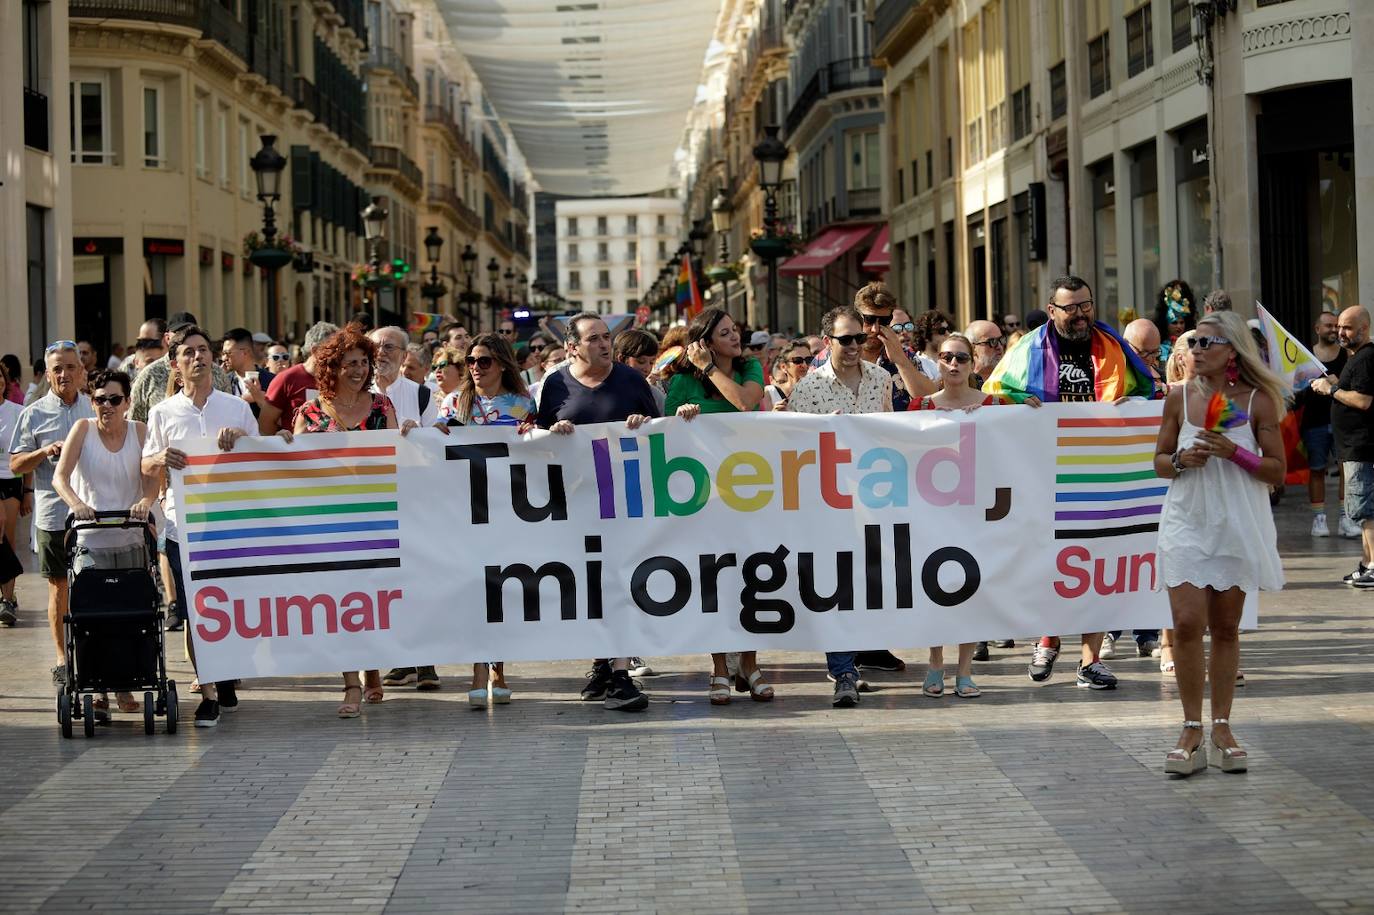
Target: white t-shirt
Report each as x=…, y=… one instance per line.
x=404, y=395
x=9, y=417
x=177, y=418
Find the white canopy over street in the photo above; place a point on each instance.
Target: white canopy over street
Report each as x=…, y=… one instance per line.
x=596, y=91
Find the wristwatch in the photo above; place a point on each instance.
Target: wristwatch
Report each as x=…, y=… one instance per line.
x=1178, y=465
x=709, y=370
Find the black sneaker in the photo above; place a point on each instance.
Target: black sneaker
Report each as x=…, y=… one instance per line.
x=399, y=676
x=1360, y=569
x=846, y=691
x=1096, y=676
x=598, y=681
x=426, y=679
x=174, y=620
x=980, y=653
x=1042, y=663
x=228, y=696
x=1004, y=643
x=9, y=613
x=207, y=713
x=1364, y=581
x=879, y=660
x=623, y=695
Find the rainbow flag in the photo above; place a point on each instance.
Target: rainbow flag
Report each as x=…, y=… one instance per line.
x=688, y=293
x=1032, y=367
x=421, y=321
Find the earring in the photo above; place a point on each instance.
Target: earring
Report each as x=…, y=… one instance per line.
x=1232, y=372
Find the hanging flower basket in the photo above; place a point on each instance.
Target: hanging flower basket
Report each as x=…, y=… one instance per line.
x=273, y=255
x=770, y=248
x=364, y=275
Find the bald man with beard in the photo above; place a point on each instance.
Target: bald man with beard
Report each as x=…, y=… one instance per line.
x=1143, y=336
x=989, y=345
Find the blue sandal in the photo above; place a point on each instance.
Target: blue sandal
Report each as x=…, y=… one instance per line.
x=934, y=687
x=965, y=688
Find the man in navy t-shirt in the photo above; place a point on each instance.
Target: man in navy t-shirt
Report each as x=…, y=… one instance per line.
x=594, y=388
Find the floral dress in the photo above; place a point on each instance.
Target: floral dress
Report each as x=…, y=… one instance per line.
x=317, y=420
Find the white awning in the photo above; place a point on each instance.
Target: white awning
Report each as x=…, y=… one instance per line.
x=596, y=91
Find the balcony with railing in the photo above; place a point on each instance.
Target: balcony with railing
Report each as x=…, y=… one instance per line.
x=211, y=19
x=888, y=17
x=388, y=60
x=329, y=114
x=838, y=76
x=36, y=134
x=442, y=117
x=495, y=169
x=445, y=195
x=392, y=159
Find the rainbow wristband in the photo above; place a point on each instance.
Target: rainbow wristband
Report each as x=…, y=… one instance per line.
x=1245, y=459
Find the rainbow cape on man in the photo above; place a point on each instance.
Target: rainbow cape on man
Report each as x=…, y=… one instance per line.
x=1032, y=367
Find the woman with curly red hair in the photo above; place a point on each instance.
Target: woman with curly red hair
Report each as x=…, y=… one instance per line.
x=344, y=366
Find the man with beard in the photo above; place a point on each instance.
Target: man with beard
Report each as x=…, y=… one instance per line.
x=989, y=344
x=412, y=401
x=1072, y=359
x=1315, y=427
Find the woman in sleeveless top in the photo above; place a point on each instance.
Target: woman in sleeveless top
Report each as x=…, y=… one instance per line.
x=100, y=471
x=343, y=370
x=1217, y=541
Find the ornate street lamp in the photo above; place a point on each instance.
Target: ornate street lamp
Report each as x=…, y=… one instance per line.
x=374, y=230
x=494, y=274
x=434, y=290
x=721, y=272
x=267, y=165
x=771, y=153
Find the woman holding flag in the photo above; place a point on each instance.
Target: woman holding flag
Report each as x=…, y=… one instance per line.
x=1221, y=447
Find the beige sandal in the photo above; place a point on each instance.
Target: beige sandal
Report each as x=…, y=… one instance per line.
x=350, y=709
x=719, y=693
x=759, y=691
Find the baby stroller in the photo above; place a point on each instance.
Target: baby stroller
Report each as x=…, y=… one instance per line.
x=114, y=632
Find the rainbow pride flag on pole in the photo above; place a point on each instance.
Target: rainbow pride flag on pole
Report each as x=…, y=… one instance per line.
x=421, y=321
x=1032, y=367
x=688, y=293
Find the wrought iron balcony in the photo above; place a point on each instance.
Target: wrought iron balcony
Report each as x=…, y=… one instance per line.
x=387, y=59
x=392, y=159
x=838, y=76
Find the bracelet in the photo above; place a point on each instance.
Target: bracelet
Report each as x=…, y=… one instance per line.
x=1245, y=459
x=28, y=489
x=1178, y=465
x=709, y=370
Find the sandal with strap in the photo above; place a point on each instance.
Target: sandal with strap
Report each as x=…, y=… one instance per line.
x=350, y=709
x=372, y=695
x=1227, y=759
x=719, y=693
x=965, y=688
x=758, y=690
x=127, y=703
x=934, y=687
x=1184, y=763
x=1166, y=667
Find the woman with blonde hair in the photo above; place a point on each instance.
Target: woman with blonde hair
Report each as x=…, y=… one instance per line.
x=1220, y=447
x=448, y=369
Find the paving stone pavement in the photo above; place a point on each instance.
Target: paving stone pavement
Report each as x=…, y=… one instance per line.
x=1039, y=798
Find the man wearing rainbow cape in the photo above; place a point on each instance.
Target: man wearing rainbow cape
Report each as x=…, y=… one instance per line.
x=1073, y=358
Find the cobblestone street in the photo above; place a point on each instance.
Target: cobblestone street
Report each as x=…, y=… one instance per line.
x=1033, y=798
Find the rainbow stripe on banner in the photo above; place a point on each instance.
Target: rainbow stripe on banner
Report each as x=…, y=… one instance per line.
x=1105, y=481
x=251, y=513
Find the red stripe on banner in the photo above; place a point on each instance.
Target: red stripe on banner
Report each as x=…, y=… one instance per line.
x=1110, y=422
x=249, y=457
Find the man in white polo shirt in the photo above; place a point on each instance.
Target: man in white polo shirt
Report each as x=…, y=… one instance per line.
x=415, y=402
x=197, y=411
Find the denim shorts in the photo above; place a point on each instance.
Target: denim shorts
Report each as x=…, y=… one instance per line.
x=1318, y=441
x=1359, y=490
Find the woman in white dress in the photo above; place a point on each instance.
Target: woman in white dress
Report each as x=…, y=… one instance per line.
x=1217, y=541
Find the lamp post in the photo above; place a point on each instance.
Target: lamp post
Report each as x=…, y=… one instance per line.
x=509, y=277
x=470, y=296
x=494, y=274
x=374, y=228
x=434, y=290
x=771, y=153
x=721, y=272
x=522, y=282
x=267, y=165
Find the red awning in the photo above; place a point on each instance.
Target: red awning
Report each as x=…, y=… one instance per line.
x=879, y=257
x=818, y=255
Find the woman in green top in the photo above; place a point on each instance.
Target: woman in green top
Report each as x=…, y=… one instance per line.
x=713, y=376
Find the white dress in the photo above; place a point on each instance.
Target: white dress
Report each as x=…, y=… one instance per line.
x=109, y=481
x=1217, y=529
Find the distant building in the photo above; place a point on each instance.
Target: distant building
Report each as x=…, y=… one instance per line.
x=610, y=250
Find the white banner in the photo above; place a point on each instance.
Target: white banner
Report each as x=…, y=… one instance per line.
x=728, y=533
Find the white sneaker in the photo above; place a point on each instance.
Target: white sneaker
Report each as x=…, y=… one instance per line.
x=639, y=669
x=1319, y=528
x=1108, y=647
x=1349, y=529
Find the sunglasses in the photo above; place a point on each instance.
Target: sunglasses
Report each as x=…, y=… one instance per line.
x=951, y=358
x=507, y=332
x=279, y=357
x=846, y=339
x=1196, y=342
x=905, y=327
x=756, y=347
x=113, y=400
x=482, y=362
x=994, y=342
x=537, y=349
x=440, y=366
x=800, y=360
x=59, y=345
x=881, y=320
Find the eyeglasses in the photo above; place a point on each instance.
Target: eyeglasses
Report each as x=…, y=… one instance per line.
x=994, y=342
x=389, y=348
x=881, y=320
x=1197, y=342
x=800, y=360
x=943, y=329
x=951, y=358
x=113, y=400
x=60, y=345
x=906, y=327
x=1081, y=308
x=1147, y=354
x=279, y=357
x=846, y=339
x=482, y=362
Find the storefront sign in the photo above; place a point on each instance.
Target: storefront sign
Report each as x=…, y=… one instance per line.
x=170, y=247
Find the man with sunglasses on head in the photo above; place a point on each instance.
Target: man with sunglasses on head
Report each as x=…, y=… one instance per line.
x=36, y=448
x=1072, y=359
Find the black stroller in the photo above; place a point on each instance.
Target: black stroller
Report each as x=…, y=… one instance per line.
x=114, y=633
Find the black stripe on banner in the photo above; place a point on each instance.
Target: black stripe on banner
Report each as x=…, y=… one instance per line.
x=297, y=568
x=1106, y=532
